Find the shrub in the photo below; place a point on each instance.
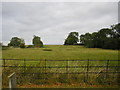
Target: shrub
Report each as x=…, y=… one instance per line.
x=22, y=45
x=5, y=47
x=30, y=46
x=47, y=49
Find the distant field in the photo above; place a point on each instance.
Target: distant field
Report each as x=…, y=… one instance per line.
x=60, y=52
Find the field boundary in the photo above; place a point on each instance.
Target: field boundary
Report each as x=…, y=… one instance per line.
x=87, y=72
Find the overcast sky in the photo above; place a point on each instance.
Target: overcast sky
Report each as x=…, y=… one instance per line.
x=53, y=21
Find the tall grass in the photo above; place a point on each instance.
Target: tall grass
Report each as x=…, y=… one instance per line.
x=23, y=76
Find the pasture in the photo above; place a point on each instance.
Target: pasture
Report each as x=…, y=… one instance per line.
x=59, y=53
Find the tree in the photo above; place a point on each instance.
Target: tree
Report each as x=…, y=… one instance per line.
x=87, y=40
x=72, y=38
x=103, y=36
x=16, y=42
x=22, y=45
x=116, y=34
x=107, y=38
x=116, y=30
x=37, y=41
x=96, y=39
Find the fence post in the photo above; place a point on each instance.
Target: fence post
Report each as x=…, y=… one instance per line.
x=12, y=81
x=24, y=66
x=118, y=73
x=45, y=69
x=45, y=66
x=87, y=69
x=4, y=63
x=107, y=69
x=67, y=66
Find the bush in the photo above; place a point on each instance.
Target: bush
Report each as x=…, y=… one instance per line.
x=22, y=45
x=47, y=49
x=30, y=46
x=5, y=47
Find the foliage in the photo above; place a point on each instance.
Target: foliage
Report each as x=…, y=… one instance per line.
x=47, y=49
x=5, y=47
x=72, y=38
x=107, y=38
x=30, y=46
x=16, y=42
x=37, y=41
x=22, y=45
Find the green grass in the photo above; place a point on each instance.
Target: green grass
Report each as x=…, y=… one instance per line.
x=61, y=52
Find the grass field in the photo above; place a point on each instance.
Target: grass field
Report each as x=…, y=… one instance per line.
x=61, y=52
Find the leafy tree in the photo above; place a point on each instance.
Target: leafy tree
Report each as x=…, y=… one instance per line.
x=102, y=36
x=37, y=41
x=22, y=45
x=87, y=40
x=16, y=42
x=107, y=38
x=116, y=35
x=30, y=46
x=96, y=39
x=72, y=38
x=116, y=30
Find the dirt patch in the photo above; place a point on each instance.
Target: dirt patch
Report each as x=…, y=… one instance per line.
x=64, y=86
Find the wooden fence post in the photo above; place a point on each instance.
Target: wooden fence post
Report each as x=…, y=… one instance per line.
x=12, y=81
x=107, y=69
x=4, y=63
x=0, y=80
x=118, y=73
x=45, y=71
x=24, y=66
x=67, y=66
x=87, y=69
x=45, y=66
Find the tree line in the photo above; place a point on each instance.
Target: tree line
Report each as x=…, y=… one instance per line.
x=19, y=42
x=106, y=38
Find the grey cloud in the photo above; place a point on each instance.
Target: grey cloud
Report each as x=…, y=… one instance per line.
x=0, y=21
x=53, y=21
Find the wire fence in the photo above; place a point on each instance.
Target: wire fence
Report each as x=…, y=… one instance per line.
x=88, y=68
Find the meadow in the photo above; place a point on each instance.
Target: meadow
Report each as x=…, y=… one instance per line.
x=61, y=52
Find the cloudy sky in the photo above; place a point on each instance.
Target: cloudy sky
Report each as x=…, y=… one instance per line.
x=52, y=21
